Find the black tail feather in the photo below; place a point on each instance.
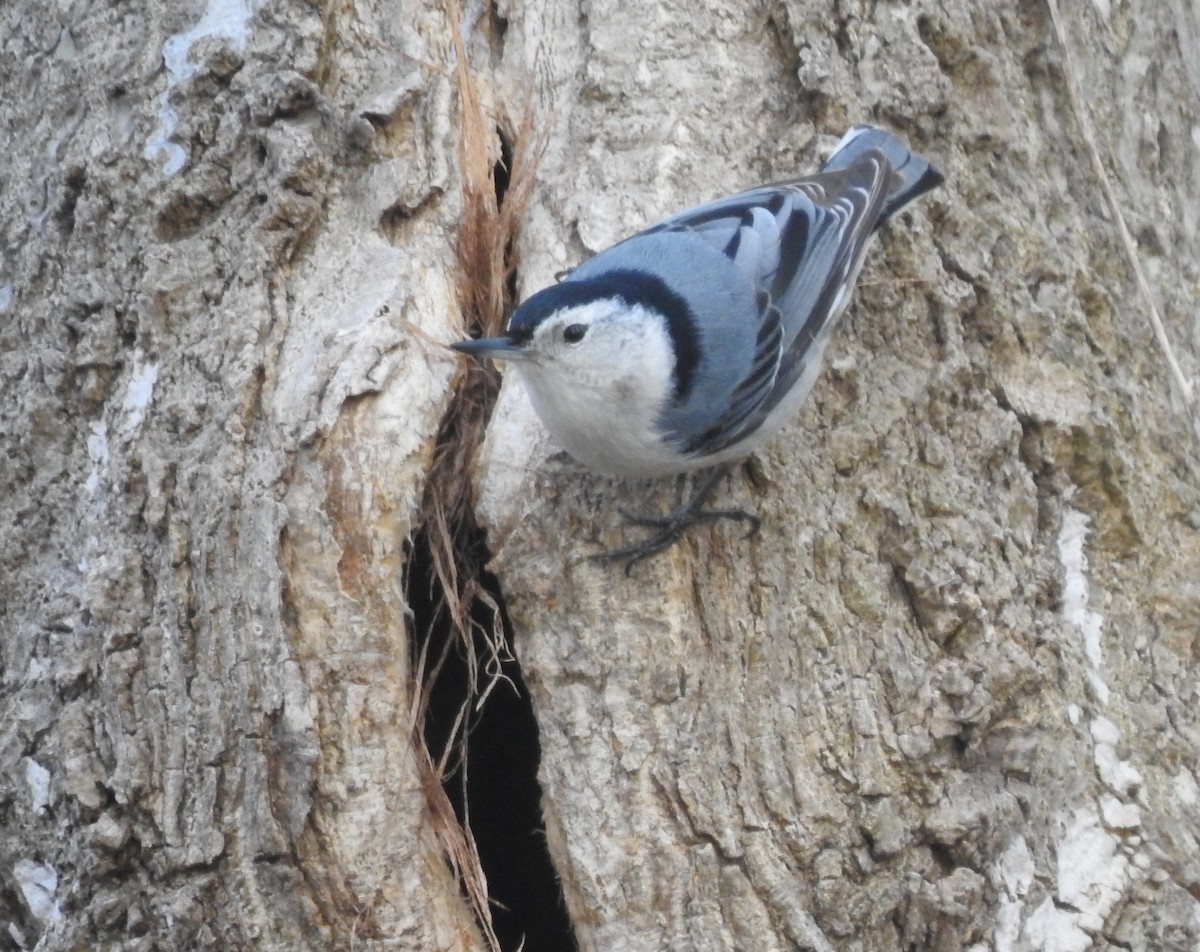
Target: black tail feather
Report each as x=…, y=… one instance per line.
x=914, y=175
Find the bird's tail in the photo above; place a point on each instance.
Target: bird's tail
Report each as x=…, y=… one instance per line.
x=914, y=176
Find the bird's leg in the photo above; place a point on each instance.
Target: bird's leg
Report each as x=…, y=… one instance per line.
x=672, y=527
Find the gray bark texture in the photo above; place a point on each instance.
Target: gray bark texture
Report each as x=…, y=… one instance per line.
x=945, y=699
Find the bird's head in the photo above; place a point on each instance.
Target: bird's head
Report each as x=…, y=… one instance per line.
x=620, y=330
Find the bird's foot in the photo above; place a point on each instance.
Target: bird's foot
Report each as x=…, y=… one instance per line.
x=674, y=526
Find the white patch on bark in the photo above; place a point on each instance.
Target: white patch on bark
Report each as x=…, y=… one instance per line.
x=1091, y=871
x=38, y=779
x=1076, y=595
x=1012, y=877
x=1094, y=871
x=222, y=20
x=1186, y=789
x=97, y=445
x=1120, y=776
x=1119, y=815
x=138, y=394
x=38, y=883
x=1055, y=930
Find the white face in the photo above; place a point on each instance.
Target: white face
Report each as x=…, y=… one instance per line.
x=604, y=344
x=599, y=375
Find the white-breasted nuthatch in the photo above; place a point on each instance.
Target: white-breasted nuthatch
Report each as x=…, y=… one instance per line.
x=691, y=343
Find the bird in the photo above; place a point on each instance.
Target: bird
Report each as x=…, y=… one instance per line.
x=692, y=343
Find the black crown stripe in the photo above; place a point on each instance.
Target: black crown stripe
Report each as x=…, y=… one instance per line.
x=632, y=287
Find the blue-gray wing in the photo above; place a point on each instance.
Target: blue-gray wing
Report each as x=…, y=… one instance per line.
x=801, y=244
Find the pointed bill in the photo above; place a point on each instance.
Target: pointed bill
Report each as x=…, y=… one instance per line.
x=498, y=348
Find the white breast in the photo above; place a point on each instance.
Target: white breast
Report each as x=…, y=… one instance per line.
x=606, y=432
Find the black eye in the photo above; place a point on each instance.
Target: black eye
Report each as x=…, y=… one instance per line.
x=573, y=333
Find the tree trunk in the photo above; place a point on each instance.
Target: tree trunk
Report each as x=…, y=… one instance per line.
x=942, y=700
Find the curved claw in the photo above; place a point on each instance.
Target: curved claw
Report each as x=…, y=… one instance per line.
x=641, y=551
x=651, y=522
x=755, y=522
x=673, y=526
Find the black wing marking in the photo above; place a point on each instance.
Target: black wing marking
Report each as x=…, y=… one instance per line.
x=754, y=389
x=802, y=244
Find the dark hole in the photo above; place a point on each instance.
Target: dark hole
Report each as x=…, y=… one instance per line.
x=502, y=170
x=502, y=795
x=501, y=176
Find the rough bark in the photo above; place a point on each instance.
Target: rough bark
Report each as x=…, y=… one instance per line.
x=943, y=700
x=220, y=399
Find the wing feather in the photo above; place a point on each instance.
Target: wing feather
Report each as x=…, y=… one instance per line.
x=801, y=243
